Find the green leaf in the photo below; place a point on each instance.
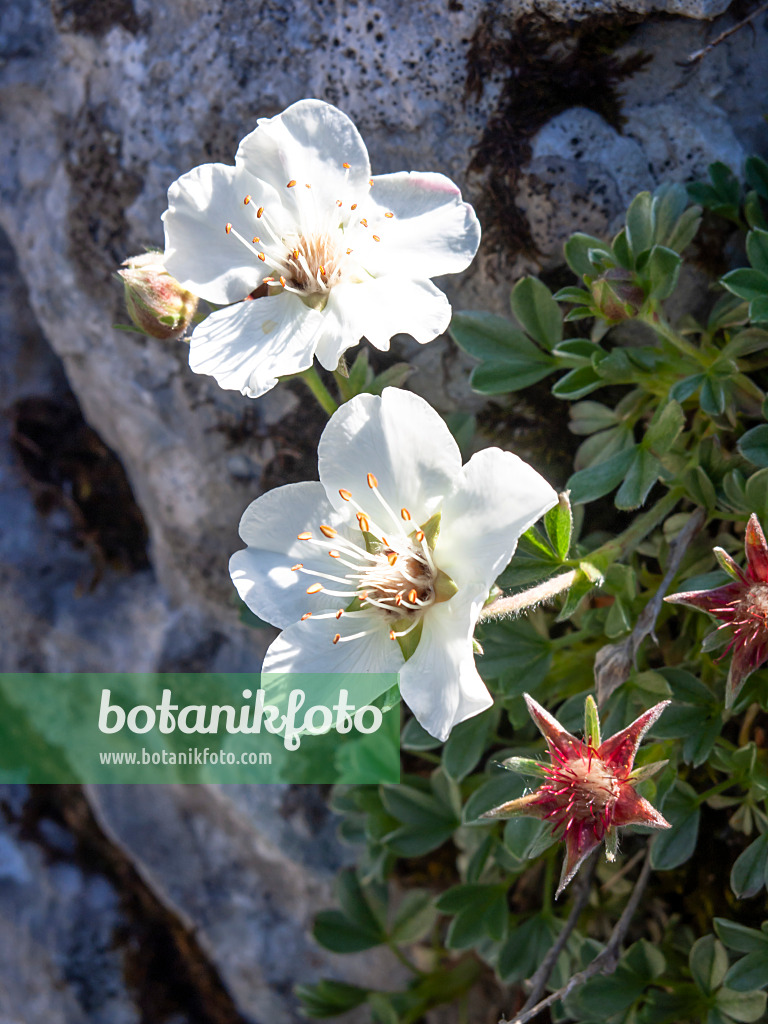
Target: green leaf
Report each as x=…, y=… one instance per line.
x=329, y=998
x=708, y=962
x=558, y=523
x=382, y=1010
x=754, y=445
x=481, y=910
x=591, y=417
x=741, y=1006
x=669, y=203
x=756, y=173
x=712, y=398
x=676, y=845
x=576, y=295
x=577, y=253
x=756, y=492
x=757, y=250
x=354, y=903
x=537, y=312
x=336, y=932
x=516, y=655
x=662, y=271
x=415, y=807
x=739, y=937
x=525, y=948
x=749, y=871
x=758, y=310
x=415, y=916
x=746, y=283
x=750, y=972
x=642, y=474
x=416, y=738
x=595, y=481
x=578, y=383
x=510, y=361
x=640, y=224
x=664, y=428
x=465, y=746
x=685, y=230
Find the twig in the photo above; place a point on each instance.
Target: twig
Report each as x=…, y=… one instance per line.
x=613, y=662
x=692, y=58
x=606, y=961
x=541, y=977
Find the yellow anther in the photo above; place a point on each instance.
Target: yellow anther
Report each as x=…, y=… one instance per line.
x=405, y=514
x=299, y=565
x=306, y=535
x=345, y=494
x=260, y=211
x=337, y=638
x=412, y=595
x=372, y=481
x=291, y=183
x=246, y=200
x=262, y=257
x=305, y=616
x=315, y=588
x=227, y=227
x=328, y=531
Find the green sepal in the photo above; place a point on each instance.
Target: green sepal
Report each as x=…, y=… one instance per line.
x=477, y=647
x=372, y=543
x=591, y=723
x=526, y=766
x=645, y=771
x=444, y=587
x=355, y=605
x=726, y=563
x=431, y=529
x=410, y=641
x=611, y=843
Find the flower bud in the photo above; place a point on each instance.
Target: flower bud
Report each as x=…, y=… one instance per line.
x=156, y=302
x=617, y=296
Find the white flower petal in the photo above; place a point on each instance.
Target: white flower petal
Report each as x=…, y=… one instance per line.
x=432, y=232
x=499, y=498
x=381, y=307
x=262, y=572
x=439, y=682
x=308, y=647
x=401, y=440
x=308, y=143
x=198, y=251
x=247, y=346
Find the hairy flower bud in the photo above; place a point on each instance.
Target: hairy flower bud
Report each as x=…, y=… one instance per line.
x=156, y=302
x=617, y=296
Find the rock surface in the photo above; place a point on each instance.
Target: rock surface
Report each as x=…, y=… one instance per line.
x=103, y=103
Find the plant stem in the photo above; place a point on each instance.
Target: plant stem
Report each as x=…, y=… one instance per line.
x=605, y=962
x=639, y=530
x=324, y=397
x=657, y=323
x=528, y=598
x=404, y=959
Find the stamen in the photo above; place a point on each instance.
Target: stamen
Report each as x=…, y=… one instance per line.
x=338, y=202
x=295, y=568
x=246, y=200
x=372, y=481
x=227, y=227
x=389, y=215
x=353, y=206
x=349, y=252
x=365, y=526
x=328, y=531
x=255, y=239
x=315, y=588
x=335, y=554
x=339, y=613
x=260, y=211
x=262, y=257
x=370, y=182
x=419, y=536
x=306, y=535
x=364, y=222
x=346, y=495
x=305, y=616
x=337, y=638
x=392, y=557
x=291, y=183
x=412, y=595
x=346, y=166
x=376, y=238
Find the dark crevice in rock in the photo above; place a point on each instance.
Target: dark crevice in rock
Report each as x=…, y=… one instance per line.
x=67, y=465
x=543, y=69
x=102, y=190
x=96, y=17
x=167, y=972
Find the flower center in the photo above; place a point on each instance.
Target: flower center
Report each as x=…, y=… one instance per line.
x=392, y=578
x=320, y=250
x=583, y=788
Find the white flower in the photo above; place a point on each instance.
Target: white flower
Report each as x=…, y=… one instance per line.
x=333, y=253
x=385, y=564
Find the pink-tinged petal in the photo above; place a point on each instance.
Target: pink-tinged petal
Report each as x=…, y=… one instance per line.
x=562, y=745
x=720, y=601
x=619, y=750
x=580, y=841
x=747, y=656
x=757, y=550
x=633, y=809
x=528, y=806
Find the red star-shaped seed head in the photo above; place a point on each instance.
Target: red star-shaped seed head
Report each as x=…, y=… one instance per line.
x=588, y=789
x=741, y=606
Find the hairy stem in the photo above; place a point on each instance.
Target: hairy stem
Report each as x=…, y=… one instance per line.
x=605, y=962
x=503, y=606
x=324, y=397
